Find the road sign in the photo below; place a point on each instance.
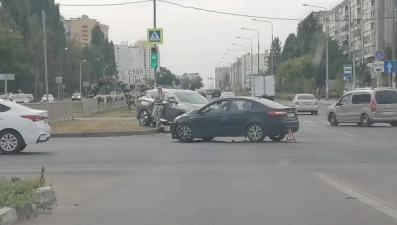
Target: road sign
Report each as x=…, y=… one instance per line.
x=389, y=66
x=379, y=54
x=379, y=66
x=7, y=76
x=58, y=80
x=155, y=36
x=347, y=71
x=86, y=84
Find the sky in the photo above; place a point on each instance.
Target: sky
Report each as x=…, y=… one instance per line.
x=195, y=41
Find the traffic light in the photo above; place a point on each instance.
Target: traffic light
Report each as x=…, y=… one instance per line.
x=154, y=57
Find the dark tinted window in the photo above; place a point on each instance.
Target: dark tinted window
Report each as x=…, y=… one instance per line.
x=386, y=97
x=270, y=104
x=357, y=99
x=306, y=97
x=4, y=108
x=241, y=105
x=366, y=99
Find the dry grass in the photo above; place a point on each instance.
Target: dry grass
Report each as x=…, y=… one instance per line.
x=120, y=112
x=76, y=126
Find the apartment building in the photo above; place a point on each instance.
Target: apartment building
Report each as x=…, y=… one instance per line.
x=79, y=29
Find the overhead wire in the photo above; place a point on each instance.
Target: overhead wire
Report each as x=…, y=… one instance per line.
x=106, y=4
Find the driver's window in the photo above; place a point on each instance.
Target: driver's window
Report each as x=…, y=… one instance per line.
x=345, y=99
x=217, y=107
x=167, y=95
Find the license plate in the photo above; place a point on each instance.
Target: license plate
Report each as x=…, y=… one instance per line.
x=290, y=114
x=388, y=113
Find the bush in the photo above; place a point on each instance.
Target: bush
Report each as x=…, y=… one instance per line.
x=15, y=192
x=287, y=96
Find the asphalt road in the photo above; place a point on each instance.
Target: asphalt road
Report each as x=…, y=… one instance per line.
x=333, y=175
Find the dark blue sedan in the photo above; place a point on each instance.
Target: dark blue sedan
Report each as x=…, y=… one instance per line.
x=250, y=117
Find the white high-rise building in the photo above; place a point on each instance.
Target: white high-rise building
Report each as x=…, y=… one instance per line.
x=133, y=62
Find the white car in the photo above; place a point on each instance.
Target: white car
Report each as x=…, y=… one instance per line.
x=50, y=98
x=305, y=103
x=20, y=126
x=227, y=95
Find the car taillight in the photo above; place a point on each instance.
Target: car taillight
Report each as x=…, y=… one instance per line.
x=373, y=106
x=276, y=113
x=297, y=102
x=34, y=118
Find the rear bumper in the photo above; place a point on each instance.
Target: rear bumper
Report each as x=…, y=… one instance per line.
x=384, y=120
x=283, y=128
x=308, y=108
x=43, y=138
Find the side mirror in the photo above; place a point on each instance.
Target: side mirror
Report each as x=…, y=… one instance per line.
x=338, y=104
x=172, y=100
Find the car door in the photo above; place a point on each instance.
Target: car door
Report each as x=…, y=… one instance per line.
x=170, y=109
x=3, y=117
x=235, y=117
x=355, y=109
x=343, y=108
x=208, y=122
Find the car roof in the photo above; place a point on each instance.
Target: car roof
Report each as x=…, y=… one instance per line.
x=304, y=94
x=176, y=90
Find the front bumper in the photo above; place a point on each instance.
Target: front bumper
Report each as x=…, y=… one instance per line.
x=173, y=130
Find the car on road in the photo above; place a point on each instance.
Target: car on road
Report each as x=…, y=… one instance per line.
x=227, y=95
x=216, y=93
x=202, y=92
x=250, y=117
x=50, y=98
x=305, y=103
x=76, y=96
x=22, y=98
x=20, y=126
x=365, y=107
x=176, y=103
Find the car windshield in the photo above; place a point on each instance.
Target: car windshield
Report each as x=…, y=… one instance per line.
x=20, y=96
x=386, y=97
x=191, y=98
x=49, y=96
x=76, y=94
x=306, y=97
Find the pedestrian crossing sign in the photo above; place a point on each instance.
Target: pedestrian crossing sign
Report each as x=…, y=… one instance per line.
x=155, y=36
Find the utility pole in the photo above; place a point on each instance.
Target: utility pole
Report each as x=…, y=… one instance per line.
x=378, y=38
x=45, y=55
x=394, y=46
x=154, y=26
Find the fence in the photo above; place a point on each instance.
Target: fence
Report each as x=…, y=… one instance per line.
x=57, y=111
x=91, y=105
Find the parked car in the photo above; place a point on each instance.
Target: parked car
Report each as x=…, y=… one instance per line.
x=22, y=98
x=177, y=102
x=365, y=107
x=50, y=98
x=20, y=126
x=76, y=96
x=7, y=96
x=202, y=92
x=216, y=93
x=305, y=103
x=227, y=95
x=250, y=117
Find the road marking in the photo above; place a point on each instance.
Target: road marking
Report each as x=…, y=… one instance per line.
x=372, y=201
x=338, y=132
x=308, y=121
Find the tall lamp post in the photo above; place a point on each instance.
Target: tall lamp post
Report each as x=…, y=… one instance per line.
x=271, y=48
x=61, y=68
x=326, y=50
x=103, y=76
x=238, y=66
x=245, y=62
x=97, y=60
x=80, y=75
x=252, y=57
x=252, y=91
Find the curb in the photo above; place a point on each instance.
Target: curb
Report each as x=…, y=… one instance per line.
x=10, y=216
x=104, y=134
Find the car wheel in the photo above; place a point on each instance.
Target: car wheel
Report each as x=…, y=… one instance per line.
x=332, y=119
x=255, y=133
x=207, y=138
x=144, y=118
x=185, y=133
x=359, y=124
x=11, y=142
x=393, y=124
x=277, y=137
x=23, y=146
x=365, y=121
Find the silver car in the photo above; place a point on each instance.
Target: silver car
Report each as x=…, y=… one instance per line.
x=305, y=103
x=365, y=107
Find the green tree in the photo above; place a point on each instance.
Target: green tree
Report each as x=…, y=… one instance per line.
x=290, y=49
x=275, y=53
x=307, y=30
x=194, y=84
x=166, y=77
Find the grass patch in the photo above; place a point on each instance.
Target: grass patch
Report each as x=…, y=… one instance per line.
x=288, y=96
x=120, y=112
x=78, y=109
x=77, y=126
x=15, y=192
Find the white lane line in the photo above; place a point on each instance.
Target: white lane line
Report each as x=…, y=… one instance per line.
x=338, y=132
x=374, y=202
x=308, y=121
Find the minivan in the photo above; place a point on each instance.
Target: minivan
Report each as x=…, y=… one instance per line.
x=365, y=107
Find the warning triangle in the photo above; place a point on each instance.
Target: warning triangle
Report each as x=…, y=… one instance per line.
x=154, y=37
x=290, y=137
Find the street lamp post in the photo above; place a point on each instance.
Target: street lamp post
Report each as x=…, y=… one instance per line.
x=94, y=70
x=238, y=67
x=103, y=75
x=62, y=54
x=80, y=75
x=252, y=91
x=326, y=51
x=245, y=62
x=271, y=48
x=252, y=57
